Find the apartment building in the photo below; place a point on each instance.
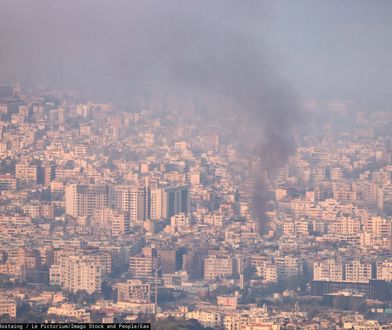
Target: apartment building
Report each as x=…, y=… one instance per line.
x=77, y=272
x=83, y=200
x=8, y=307
x=217, y=265
x=134, y=291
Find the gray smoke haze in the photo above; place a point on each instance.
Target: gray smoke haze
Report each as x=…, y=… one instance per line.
x=118, y=48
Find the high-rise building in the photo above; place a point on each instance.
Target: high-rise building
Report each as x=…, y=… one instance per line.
x=192, y=263
x=164, y=202
x=120, y=224
x=176, y=200
x=46, y=174
x=217, y=265
x=83, y=200
x=156, y=204
x=288, y=266
x=144, y=265
x=358, y=271
x=168, y=260
x=131, y=199
x=76, y=273
x=328, y=270
x=26, y=173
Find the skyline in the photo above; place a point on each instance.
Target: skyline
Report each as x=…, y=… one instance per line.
x=212, y=164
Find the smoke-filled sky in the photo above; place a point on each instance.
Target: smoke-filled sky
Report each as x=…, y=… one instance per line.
x=335, y=49
x=261, y=56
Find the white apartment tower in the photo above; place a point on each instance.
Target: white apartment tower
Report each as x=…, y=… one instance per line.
x=131, y=199
x=140, y=202
x=163, y=203
x=77, y=273
x=83, y=200
x=156, y=204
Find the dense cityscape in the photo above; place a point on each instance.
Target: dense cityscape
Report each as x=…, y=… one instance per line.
x=195, y=164
x=116, y=214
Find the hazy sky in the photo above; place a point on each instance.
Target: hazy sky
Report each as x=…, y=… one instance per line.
x=334, y=48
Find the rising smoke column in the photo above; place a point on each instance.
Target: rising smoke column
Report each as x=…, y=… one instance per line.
x=227, y=60
x=119, y=48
